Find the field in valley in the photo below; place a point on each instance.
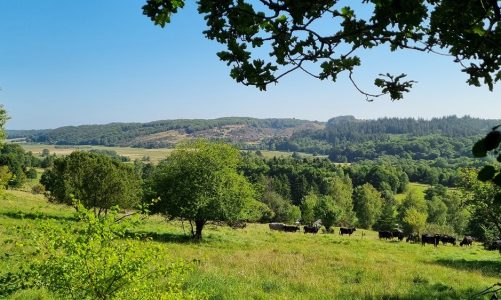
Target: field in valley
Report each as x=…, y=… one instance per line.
x=154, y=155
x=256, y=263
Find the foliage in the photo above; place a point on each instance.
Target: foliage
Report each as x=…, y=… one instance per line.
x=282, y=210
x=490, y=146
x=3, y=120
x=308, y=205
x=92, y=260
x=414, y=221
x=5, y=177
x=388, y=218
x=249, y=263
x=341, y=191
x=18, y=161
x=129, y=134
x=437, y=211
x=328, y=212
x=368, y=205
x=467, y=31
x=98, y=181
x=199, y=182
x=482, y=199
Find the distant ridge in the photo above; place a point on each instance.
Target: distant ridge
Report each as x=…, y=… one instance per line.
x=285, y=134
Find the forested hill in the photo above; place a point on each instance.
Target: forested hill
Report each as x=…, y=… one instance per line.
x=343, y=138
x=346, y=139
x=168, y=132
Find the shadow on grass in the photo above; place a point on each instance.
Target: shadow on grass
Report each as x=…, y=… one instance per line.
x=425, y=290
x=35, y=216
x=165, y=237
x=488, y=268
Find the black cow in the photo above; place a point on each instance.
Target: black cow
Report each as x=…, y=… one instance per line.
x=348, y=231
x=414, y=238
x=397, y=233
x=430, y=239
x=493, y=245
x=311, y=229
x=385, y=235
x=290, y=228
x=467, y=241
x=445, y=239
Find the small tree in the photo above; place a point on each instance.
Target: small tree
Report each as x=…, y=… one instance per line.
x=414, y=221
x=328, y=212
x=368, y=205
x=308, y=205
x=199, y=182
x=98, y=181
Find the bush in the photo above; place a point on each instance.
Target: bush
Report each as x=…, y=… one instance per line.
x=94, y=260
x=31, y=173
x=38, y=189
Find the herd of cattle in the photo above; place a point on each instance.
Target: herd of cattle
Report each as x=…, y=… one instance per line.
x=395, y=234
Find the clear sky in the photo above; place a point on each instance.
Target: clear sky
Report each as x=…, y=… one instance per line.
x=94, y=61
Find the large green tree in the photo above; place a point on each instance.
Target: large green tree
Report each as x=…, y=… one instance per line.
x=199, y=182
x=467, y=31
x=95, y=180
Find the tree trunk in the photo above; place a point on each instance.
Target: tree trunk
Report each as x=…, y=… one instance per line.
x=199, y=225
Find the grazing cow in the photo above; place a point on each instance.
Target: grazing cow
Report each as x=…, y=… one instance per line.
x=493, y=245
x=398, y=234
x=414, y=238
x=497, y=245
x=290, y=228
x=385, y=235
x=348, y=231
x=430, y=239
x=448, y=239
x=467, y=241
x=311, y=229
x=276, y=226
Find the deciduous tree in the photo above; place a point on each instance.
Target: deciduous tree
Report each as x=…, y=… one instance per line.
x=467, y=31
x=199, y=182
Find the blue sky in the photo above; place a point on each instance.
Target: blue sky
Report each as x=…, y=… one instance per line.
x=93, y=62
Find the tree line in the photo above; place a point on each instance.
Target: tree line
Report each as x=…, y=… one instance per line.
x=205, y=182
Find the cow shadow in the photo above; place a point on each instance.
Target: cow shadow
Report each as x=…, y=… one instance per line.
x=163, y=237
x=488, y=268
x=36, y=216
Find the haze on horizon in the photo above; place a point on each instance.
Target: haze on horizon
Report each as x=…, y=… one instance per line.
x=64, y=63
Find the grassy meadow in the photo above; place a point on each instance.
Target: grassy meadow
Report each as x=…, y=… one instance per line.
x=256, y=263
x=154, y=155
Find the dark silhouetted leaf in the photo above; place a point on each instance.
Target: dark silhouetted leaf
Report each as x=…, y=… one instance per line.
x=486, y=173
x=478, y=149
x=492, y=140
x=497, y=199
x=497, y=179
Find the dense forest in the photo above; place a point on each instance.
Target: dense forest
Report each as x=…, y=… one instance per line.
x=148, y=135
x=344, y=139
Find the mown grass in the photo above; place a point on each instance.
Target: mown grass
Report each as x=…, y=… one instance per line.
x=256, y=263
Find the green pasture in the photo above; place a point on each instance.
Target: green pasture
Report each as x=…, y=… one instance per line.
x=256, y=263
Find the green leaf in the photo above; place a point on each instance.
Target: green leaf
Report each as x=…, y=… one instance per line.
x=478, y=149
x=487, y=173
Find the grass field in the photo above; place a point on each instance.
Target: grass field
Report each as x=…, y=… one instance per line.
x=155, y=155
x=255, y=263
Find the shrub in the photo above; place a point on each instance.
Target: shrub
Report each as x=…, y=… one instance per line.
x=38, y=189
x=95, y=260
